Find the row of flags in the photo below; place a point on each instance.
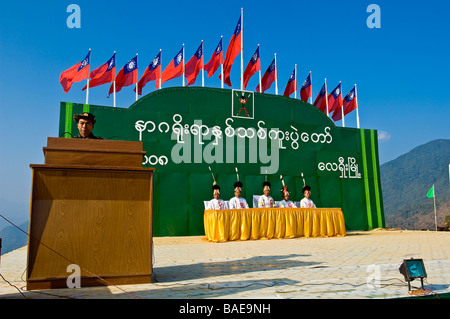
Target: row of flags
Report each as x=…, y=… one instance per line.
x=333, y=102
x=106, y=73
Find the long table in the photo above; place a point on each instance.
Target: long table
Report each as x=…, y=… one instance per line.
x=272, y=223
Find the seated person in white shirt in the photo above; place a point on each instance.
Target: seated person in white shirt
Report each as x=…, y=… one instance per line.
x=216, y=203
x=266, y=200
x=238, y=202
x=286, y=203
x=306, y=202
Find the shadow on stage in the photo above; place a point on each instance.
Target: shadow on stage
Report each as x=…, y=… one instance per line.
x=229, y=267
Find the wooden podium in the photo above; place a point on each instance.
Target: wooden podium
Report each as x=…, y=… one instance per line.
x=91, y=207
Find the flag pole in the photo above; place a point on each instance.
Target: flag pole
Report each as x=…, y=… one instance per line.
x=221, y=65
x=295, y=81
x=242, y=49
x=260, y=87
x=87, y=92
x=203, y=68
x=435, y=214
x=136, y=77
x=276, y=77
x=326, y=97
x=357, y=107
x=342, y=112
x=160, y=63
x=89, y=68
x=114, y=84
x=183, y=65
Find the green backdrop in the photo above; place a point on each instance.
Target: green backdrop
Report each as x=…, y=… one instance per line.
x=186, y=130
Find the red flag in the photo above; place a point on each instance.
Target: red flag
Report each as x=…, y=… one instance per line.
x=335, y=99
x=233, y=50
x=126, y=76
x=216, y=60
x=350, y=103
x=268, y=78
x=253, y=66
x=174, y=69
x=291, y=86
x=321, y=99
x=305, y=91
x=103, y=74
x=76, y=73
x=194, y=65
x=152, y=73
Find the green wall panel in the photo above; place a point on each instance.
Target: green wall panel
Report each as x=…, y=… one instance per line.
x=340, y=164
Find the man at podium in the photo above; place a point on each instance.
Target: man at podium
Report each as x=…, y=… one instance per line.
x=85, y=124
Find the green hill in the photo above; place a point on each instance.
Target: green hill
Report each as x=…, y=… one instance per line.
x=406, y=180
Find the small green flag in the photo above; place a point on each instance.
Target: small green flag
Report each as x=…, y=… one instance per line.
x=430, y=193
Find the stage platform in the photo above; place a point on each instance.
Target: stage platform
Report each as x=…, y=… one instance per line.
x=361, y=265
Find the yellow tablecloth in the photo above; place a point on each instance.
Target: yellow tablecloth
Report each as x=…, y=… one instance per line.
x=272, y=223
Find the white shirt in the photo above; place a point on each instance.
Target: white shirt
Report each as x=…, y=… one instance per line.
x=216, y=204
x=289, y=203
x=238, y=203
x=265, y=201
x=307, y=203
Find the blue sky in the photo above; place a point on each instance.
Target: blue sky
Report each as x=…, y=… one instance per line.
x=401, y=69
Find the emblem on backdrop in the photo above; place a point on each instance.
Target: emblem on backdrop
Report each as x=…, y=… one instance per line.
x=242, y=104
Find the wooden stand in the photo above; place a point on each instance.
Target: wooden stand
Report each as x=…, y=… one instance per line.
x=91, y=207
